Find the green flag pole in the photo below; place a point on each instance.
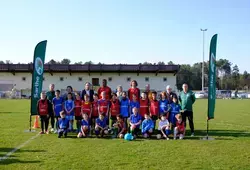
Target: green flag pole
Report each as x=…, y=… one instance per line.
x=37, y=76
x=211, y=82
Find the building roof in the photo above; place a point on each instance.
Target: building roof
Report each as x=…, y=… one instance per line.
x=90, y=68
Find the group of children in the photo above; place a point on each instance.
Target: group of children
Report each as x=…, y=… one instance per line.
x=135, y=115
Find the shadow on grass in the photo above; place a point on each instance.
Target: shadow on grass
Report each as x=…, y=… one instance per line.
x=12, y=112
x=13, y=159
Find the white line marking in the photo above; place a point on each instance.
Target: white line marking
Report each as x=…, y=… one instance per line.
x=17, y=148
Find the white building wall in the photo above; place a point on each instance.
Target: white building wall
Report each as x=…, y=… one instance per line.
x=156, y=82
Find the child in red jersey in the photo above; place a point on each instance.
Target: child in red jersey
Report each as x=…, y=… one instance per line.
x=78, y=111
x=144, y=105
x=103, y=106
x=133, y=90
x=85, y=126
x=119, y=127
x=106, y=89
x=86, y=106
x=114, y=108
x=43, y=110
x=179, y=128
x=95, y=113
x=154, y=107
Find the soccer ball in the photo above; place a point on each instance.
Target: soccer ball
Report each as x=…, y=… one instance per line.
x=158, y=136
x=106, y=132
x=128, y=137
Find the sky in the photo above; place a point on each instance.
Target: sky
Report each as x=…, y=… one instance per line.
x=125, y=31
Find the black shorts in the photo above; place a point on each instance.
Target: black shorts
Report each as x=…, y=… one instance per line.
x=78, y=117
x=113, y=117
x=154, y=117
x=94, y=117
x=44, y=118
x=57, y=117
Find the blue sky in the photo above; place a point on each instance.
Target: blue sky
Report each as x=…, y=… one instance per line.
x=125, y=31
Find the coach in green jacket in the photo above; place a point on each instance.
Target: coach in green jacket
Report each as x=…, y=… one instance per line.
x=187, y=99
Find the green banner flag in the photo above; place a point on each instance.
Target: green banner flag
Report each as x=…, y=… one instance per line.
x=37, y=76
x=212, y=78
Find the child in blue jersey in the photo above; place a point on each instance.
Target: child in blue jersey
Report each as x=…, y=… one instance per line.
x=85, y=126
x=134, y=103
x=101, y=126
x=147, y=126
x=164, y=104
x=63, y=125
x=175, y=109
x=164, y=127
x=57, y=103
x=135, y=122
x=124, y=108
x=69, y=107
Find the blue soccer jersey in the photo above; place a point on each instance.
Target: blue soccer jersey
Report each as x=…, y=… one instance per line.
x=58, y=105
x=124, y=108
x=133, y=104
x=174, y=110
x=85, y=123
x=102, y=123
x=135, y=119
x=69, y=104
x=146, y=125
x=63, y=123
x=163, y=106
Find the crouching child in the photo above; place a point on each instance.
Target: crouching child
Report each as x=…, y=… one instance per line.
x=135, y=122
x=164, y=127
x=147, y=126
x=119, y=127
x=85, y=126
x=101, y=126
x=63, y=125
x=179, y=129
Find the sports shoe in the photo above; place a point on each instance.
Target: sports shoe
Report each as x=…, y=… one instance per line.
x=47, y=132
x=52, y=130
x=42, y=132
x=167, y=138
x=192, y=134
x=55, y=131
x=174, y=138
x=181, y=137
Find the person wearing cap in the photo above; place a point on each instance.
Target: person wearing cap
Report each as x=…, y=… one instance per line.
x=170, y=94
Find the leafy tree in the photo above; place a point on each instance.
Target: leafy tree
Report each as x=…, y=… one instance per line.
x=65, y=61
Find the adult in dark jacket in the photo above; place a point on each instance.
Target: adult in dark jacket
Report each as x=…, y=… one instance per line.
x=170, y=94
x=87, y=90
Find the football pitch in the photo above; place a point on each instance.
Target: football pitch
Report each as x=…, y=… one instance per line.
x=229, y=150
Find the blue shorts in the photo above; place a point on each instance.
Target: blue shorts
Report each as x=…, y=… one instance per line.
x=70, y=117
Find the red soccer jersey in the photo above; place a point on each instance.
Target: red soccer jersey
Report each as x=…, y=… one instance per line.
x=180, y=126
x=144, y=107
x=107, y=90
x=78, y=106
x=43, y=107
x=95, y=108
x=132, y=91
x=86, y=107
x=154, y=107
x=121, y=125
x=115, y=107
x=103, y=106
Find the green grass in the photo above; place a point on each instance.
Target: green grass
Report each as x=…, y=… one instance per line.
x=229, y=150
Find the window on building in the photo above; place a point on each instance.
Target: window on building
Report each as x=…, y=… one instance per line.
x=95, y=81
x=146, y=78
x=128, y=79
x=79, y=78
x=24, y=78
x=165, y=79
x=61, y=78
x=110, y=79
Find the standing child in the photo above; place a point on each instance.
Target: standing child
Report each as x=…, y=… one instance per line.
x=164, y=104
x=57, y=103
x=175, y=109
x=85, y=126
x=103, y=106
x=119, y=127
x=69, y=109
x=86, y=106
x=133, y=90
x=135, y=122
x=147, y=126
x=101, y=126
x=125, y=108
x=164, y=127
x=114, y=108
x=78, y=111
x=144, y=105
x=154, y=107
x=134, y=103
x=63, y=125
x=180, y=127
x=43, y=110
x=95, y=113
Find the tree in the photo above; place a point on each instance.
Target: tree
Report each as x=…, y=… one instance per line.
x=65, y=61
x=52, y=61
x=1, y=62
x=146, y=63
x=236, y=76
x=88, y=62
x=170, y=63
x=79, y=62
x=161, y=63
x=8, y=62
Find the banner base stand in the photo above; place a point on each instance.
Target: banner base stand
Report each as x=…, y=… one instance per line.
x=30, y=131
